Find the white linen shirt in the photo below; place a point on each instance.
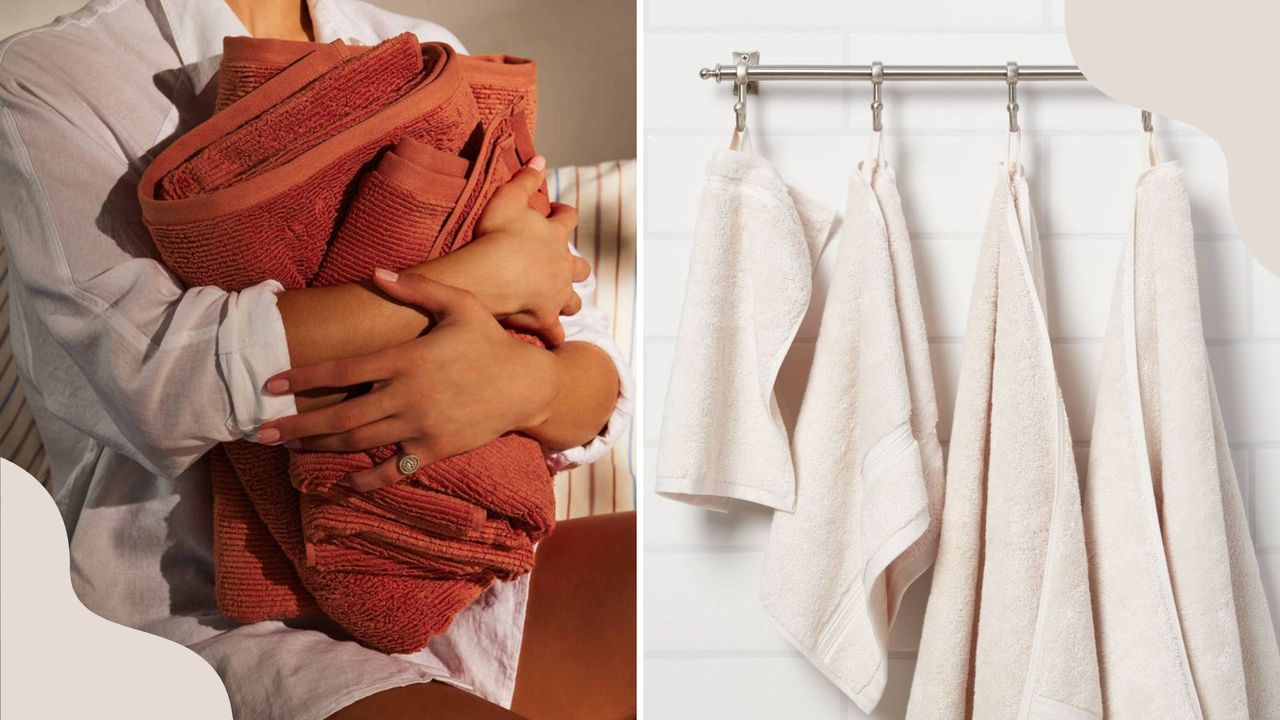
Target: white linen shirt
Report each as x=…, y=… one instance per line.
x=132, y=378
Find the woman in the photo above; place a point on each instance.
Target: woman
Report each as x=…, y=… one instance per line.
x=132, y=378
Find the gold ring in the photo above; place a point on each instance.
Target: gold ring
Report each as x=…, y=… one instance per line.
x=408, y=464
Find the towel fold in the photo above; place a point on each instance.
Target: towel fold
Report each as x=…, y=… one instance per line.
x=323, y=163
x=868, y=462
x=1008, y=631
x=1183, y=630
x=750, y=277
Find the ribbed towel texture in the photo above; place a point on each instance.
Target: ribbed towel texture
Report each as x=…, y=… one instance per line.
x=868, y=463
x=322, y=163
x=1182, y=625
x=1008, y=631
x=755, y=247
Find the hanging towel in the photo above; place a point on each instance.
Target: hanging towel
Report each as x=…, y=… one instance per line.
x=1008, y=631
x=755, y=246
x=1182, y=625
x=323, y=162
x=868, y=462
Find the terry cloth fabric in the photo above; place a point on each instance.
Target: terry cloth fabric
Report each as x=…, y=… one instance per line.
x=1008, y=630
x=868, y=462
x=605, y=195
x=324, y=162
x=1182, y=625
x=750, y=277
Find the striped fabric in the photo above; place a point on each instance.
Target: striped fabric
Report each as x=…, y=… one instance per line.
x=605, y=196
x=19, y=441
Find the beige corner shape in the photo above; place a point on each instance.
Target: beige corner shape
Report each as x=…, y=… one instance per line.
x=61, y=661
x=1211, y=64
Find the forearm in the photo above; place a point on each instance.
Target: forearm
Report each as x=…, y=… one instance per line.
x=339, y=321
x=587, y=384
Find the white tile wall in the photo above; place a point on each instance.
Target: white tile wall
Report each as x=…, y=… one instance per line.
x=711, y=651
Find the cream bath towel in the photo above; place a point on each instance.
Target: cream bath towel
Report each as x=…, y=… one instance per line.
x=1182, y=625
x=1008, y=632
x=868, y=463
x=750, y=277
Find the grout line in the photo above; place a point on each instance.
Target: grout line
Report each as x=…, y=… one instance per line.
x=745, y=28
x=726, y=654
x=960, y=133
x=746, y=549
x=943, y=236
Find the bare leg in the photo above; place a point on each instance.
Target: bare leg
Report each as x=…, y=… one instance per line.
x=423, y=701
x=578, y=656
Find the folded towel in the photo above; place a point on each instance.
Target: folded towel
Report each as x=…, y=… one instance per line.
x=274, y=185
x=754, y=250
x=1182, y=625
x=1008, y=631
x=868, y=462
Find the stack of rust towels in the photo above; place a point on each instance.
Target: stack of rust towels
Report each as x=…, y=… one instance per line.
x=322, y=163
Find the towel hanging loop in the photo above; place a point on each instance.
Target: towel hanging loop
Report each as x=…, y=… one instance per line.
x=1011, y=79
x=877, y=82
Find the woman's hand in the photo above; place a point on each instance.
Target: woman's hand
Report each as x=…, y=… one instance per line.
x=529, y=270
x=456, y=388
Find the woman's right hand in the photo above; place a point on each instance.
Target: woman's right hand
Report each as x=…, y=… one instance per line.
x=526, y=269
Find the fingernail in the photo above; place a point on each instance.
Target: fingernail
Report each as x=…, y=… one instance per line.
x=267, y=436
x=538, y=162
x=345, y=481
x=386, y=275
x=294, y=444
x=277, y=386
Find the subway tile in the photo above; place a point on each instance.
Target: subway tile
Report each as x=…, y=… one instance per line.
x=669, y=523
x=945, y=269
x=1269, y=564
x=945, y=358
x=1266, y=498
x=666, y=273
x=1266, y=301
x=657, y=370
x=743, y=688
x=1222, y=272
x=1078, y=365
x=1085, y=183
x=842, y=14
x=672, y=61
x=893, y=703
x=1245, y=375
x=1080, y=276
x=717, y=607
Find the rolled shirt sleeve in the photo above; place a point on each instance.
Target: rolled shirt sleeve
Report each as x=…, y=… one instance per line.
x=127, y=355
x=591, y=325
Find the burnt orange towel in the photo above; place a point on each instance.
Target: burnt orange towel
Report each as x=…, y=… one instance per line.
x=322, y=163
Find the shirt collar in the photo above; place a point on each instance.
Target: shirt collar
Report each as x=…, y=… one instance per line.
x=196, y=29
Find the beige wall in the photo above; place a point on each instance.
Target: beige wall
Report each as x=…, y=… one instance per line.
x=586, y=53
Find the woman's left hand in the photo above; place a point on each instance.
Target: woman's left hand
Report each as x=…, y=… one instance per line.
x=456, y=388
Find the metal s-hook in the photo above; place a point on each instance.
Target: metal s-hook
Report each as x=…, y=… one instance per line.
x=877, y=81
x=1011, y=78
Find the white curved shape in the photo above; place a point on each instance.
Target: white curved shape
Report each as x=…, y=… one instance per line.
x=1206, y=63
x=58, y=659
